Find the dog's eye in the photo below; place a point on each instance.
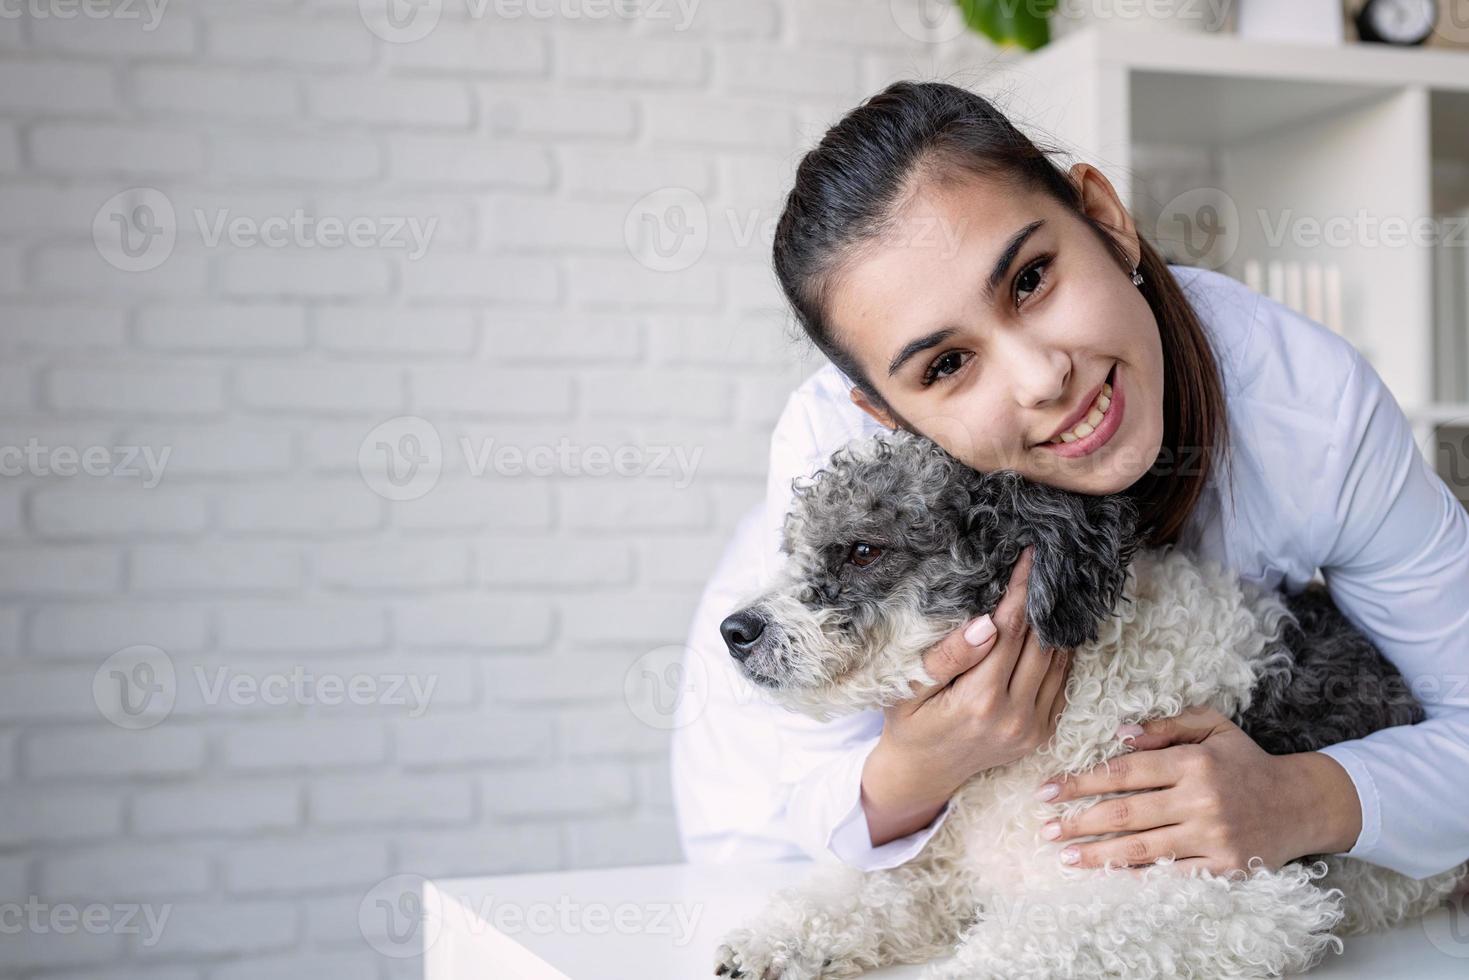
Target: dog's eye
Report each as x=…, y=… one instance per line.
x=864, y=554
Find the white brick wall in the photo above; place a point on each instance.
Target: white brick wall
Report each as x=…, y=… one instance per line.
x=289, y=596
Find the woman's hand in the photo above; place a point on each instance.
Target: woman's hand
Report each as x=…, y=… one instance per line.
x=996, y=699
x=1208, y=797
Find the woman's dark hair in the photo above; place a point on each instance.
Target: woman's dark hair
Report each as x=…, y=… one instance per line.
x=850, y=186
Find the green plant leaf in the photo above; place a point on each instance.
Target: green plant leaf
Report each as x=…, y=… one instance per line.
x=1019, y=23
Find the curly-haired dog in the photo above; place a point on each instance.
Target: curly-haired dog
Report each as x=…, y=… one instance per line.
x=896, y=544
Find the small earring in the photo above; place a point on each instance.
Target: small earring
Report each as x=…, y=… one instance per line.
x=1137, y=277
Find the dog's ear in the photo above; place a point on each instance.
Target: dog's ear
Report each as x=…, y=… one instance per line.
x=1082, y=547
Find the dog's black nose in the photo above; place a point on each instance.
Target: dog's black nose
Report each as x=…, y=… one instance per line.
x=741, y=632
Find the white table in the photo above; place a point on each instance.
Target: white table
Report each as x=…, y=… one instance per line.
x=664, y=921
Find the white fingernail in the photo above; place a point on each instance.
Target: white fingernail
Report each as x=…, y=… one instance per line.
x=979, y=631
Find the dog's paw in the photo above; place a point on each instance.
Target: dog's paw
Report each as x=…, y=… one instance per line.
x=744, y=955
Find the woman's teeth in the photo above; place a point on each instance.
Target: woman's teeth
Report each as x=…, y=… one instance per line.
x=1087, y=425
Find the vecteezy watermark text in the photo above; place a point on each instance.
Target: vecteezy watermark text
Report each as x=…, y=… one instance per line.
x=150, y=12
x=36, y=459
x=96, y=919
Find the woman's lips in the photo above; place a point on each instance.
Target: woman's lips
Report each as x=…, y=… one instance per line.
x=1105, y=429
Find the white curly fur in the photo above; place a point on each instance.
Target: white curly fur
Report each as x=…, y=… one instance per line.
x=989, y=889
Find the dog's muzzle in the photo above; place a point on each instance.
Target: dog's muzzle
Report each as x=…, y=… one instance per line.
x=742, y=632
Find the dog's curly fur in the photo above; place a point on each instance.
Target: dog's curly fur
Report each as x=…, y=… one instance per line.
x=1153, y=631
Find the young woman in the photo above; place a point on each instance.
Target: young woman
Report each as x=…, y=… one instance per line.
x=965, y=287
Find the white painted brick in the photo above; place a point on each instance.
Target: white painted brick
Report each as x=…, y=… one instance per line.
x=610, y=842
x=158, y=751
x=451, y=740
x=58, y=815
x=9, y=149
x=579, y=115
x=502, y=848
x=309, y=865
x=597, y=676
x=217, y=928
x=610, y=733
x=9, y=632
x=13, y=878
x=301, y=626
x=552, y=563
x=216, y=568
x=395, y=331
x=308, y=745
x=702, y=121
x=307, y=158
x=625, y=174
x=479, y=622
x=195, y=391
x=404, y=566
x=59, y=570
x=70, y=328
x=116, y=512
x=559, y=338
x=760, y=401
x=96, y=630
x=682, y=561
x=467, y=161
x=334, y=42
x=750, y=341
x=12, y=522
x=546, y=224
x=82, y=148
x=128, y=872
x=310, y=509
x=762, y=69
x=337, y=801
x=349, y=965
x=632, y=394
x=408, y=225
x=33, y=950
x=78, y=270
x=847, y=23
x=241, y=806
x=395, y=101
x=17, y=390
x=478, y=505
x=622, y=283
x=57, y=87
x=131, y=31
x=11, y=270
x=186, y=91
x=480, y=47
x=654, y=784
x=320, y=388
x=51, y=695
x=633, y=505
x=645, y=618
x=116, y=973
x=752, y=286
x=748, y=18
x=348, y=274
x=491, y=278
x=265, y=326
x=236, y=451
x=543, y=791
x=590, y=58
x=481, y=390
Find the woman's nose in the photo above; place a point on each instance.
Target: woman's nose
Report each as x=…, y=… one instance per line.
x=1038, y=373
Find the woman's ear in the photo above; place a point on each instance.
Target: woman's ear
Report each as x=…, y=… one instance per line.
x=885, y=418
x=1099, y=200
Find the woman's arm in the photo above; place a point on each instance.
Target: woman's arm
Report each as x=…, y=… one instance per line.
x=1393, y=545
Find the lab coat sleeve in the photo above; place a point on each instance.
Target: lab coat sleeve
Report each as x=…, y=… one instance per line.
x=1392, y=543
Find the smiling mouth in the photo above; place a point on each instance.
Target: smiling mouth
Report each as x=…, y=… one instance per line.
x=1095, y=428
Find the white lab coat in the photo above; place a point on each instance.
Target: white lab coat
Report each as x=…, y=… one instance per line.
x=1326, y=475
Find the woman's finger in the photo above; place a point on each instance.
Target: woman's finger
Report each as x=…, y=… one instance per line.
x=1158, y=769
x=1130, y=849
x=1030, y=670
x=1136, y=811
x=1009, y=618
x=1050, y=700
x=955, y=654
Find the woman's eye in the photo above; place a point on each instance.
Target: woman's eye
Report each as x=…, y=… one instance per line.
x=863, y=554
x=1031, y=279
x=943, y=366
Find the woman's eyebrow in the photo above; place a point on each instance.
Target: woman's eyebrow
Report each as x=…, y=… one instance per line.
x=918, y=346
x=997, y=275
x=1007, y=256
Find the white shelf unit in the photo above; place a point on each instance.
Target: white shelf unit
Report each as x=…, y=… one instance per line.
x=1290, y=134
